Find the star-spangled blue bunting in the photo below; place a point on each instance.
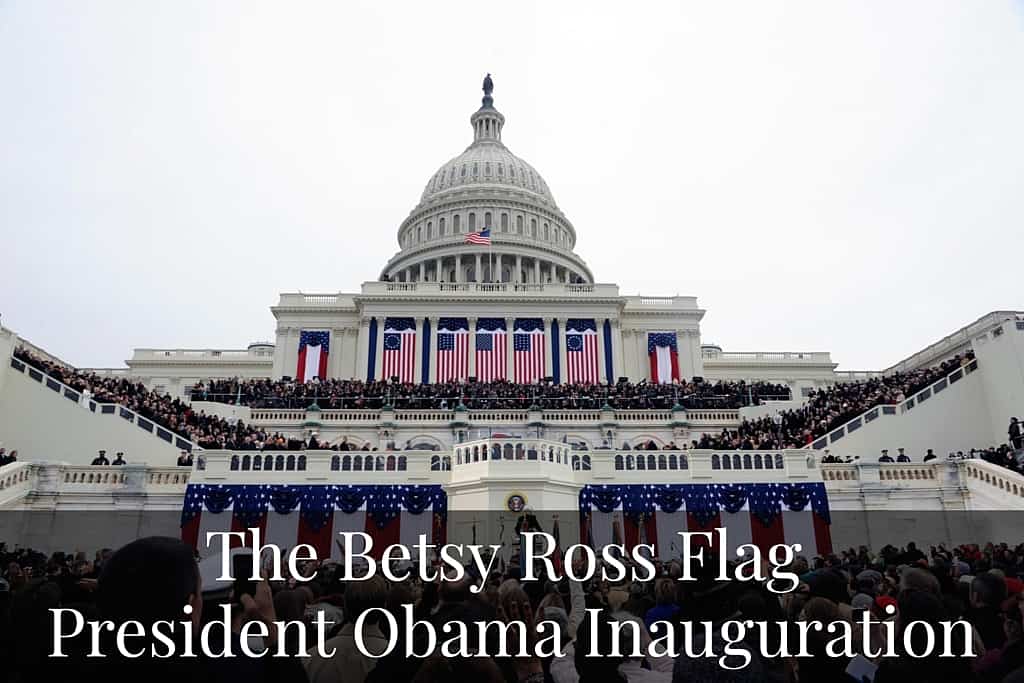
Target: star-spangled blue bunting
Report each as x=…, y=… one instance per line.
x=315, y=502
x=580, y=325
x=529, y=324
x=490, y=324
x=704, y=501
x=452, y=324
x=321, y=338
x=656, y=339
x=399, y=324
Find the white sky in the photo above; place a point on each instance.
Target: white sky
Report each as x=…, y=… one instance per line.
x=822, y=176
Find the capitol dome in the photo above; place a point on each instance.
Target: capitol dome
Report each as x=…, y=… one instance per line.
x=487, y=187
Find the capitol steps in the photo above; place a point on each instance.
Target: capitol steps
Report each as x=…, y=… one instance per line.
x=44, y=419
x=948, y=415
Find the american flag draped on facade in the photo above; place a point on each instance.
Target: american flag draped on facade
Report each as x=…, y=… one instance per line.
x=483, y=237
x=663, y=351
x=491, y=349
x=399, y=349
x=452, y=349
x=581, y=351
x=528, y=340
x=313, y=349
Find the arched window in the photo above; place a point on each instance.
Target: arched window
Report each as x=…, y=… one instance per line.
x=279, y=463
x=495, y=451
x=651, y=462
x=476, y=169
x=391, y=463
x=463, y=172
x=778, y=461
x=447, y=462
x=368, y=463
x=533, y=227
x=726, y=462
x=441, y=227
x=487, y=219
x=673, y=462
x=736, y=463
x=246, y=463
x=519, y=224
x=662, y=462
x=767, y=461
x=520, y=452
x=472, y=222
x=234, y=463
x=586, y=462
x=290, y=463
x=380, y=463
x=268, y=463
x=746, y=461
x=547, y=234
x=507, y=452
x=257, y=463
x=641, y=463
x=684, y=462
x=487, y=168
x=758, y=462
x=430, y=229
x=501, y=169
x=403, y=463
x=618, y=461
x=456, y=224
x=435, y=463
x=716, y=462
x=504, y=221
x=629, y=462
x=357, y=463
x=419, y=233
x=575, y=462
x=301, y=463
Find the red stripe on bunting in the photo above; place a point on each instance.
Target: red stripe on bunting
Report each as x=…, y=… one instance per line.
x=651, y=531
x=238, y=525
x=300, y=371
x=631, y=531
x=321, y=540
x=383, y=536
x=764, y=537
x=693, y=525
x=822, y=534
x=190, y=531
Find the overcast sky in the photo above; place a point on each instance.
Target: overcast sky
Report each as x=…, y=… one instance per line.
x=844, y=177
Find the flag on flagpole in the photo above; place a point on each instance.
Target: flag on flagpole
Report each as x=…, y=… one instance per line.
x=663, y=351
x=482, y=237
x=313, y=348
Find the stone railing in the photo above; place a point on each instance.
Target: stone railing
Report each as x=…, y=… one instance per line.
x=887, y=410
x=290, y=417
x=74, y=486
x=931, y=475
x=767, y=356
x=101, y=409
x=979, y=472
x=429, y=289
x=317, y=465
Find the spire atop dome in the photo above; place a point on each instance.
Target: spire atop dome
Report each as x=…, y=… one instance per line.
x=487, y=121
x=488, y=101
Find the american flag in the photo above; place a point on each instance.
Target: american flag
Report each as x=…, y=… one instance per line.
x=663, y=352
x=581, y=352
x=314, y=346
x=452, y=349
x=491, y=349
x=528, y=343
x=400, y=349
x=482, y=237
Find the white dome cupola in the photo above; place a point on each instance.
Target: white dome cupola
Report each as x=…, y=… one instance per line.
x=486, y=186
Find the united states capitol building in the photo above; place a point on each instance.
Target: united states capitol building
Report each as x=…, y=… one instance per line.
x=450, y=307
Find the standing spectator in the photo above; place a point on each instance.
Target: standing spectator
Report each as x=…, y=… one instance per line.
x=1014, y=433
x=185, y=459
x=119, y=459
x=101, y=459
x=901, y=456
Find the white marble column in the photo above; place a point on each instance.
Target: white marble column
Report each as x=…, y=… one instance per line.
x=458, y=268
x=536, y=271
x=599, y=322
x=617, y=366
x=477, y=274
x=417, y=364
x=378, y=351
x=519, y=269
x=438, y=269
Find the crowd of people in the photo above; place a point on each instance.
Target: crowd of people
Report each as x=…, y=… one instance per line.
x=824, y=410
x=7, y=458
x=206, y=431
x=152, y=579
x=349, y=393
x=829, y=408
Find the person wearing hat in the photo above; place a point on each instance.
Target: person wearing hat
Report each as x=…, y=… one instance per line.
x=1014, y=432
x=185, y=459
x=901, y=456
x=930, y=455
x=101, y=459
x=885, y=456
x=119, y=459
